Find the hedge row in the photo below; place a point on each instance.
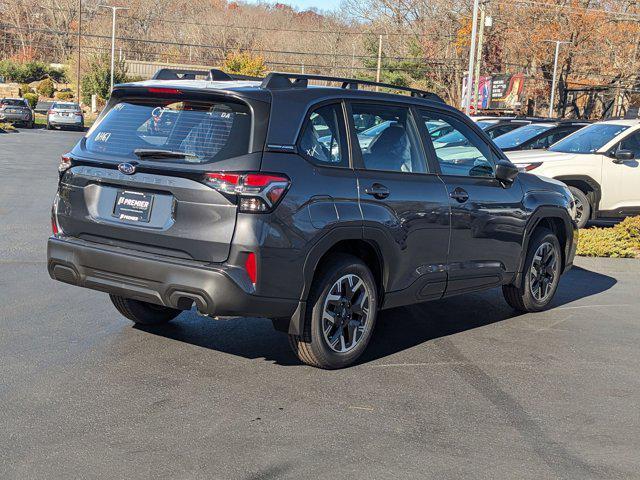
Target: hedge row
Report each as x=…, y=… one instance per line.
x=28, y=72
x=620, y=241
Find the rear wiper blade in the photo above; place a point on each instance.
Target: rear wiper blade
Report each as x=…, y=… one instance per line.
x=152, y=152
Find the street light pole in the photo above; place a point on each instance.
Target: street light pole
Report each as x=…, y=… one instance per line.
x=476, y=78
x=113, y=37
x=379, y=67
x=555, y=73
x=472, y=52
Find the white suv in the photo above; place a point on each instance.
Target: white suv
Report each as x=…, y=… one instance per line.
x=599, y=163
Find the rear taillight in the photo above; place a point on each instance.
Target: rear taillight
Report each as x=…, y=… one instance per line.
x=257, y=192
x=50, y=112
x=65, y=163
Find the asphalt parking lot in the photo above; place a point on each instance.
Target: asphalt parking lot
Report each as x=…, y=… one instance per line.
x=458, y=388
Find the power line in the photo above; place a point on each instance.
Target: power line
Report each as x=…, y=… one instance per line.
x=222, y=47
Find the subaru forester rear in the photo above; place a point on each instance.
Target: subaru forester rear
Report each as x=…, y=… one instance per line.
x=314, y=207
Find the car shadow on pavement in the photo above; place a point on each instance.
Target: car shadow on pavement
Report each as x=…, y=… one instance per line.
x=397, y=329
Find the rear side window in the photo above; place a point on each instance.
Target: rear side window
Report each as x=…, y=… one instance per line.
x=203, y=132
x=323, y=137
x=387, y=138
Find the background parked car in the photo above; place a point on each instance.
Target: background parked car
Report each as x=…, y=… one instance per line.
x=599, y=163
x=538, y=135
x=65, y=114
x=43, y=106
x=16, y=110
x=493, y=127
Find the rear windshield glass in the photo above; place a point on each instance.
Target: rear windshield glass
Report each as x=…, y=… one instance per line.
x=67, y=106
x=14, y=102
x=201, y=131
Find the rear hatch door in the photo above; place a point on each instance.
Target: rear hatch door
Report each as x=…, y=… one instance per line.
x=137, y=178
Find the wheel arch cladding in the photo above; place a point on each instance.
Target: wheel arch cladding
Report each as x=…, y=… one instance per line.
x=362, y=249
x=354, y=245
x=587, y=185
x=555, y=219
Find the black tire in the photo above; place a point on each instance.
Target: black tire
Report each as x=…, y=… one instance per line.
x=583, y=206
x=311, y=347
x=142, y=312
x=520, y=297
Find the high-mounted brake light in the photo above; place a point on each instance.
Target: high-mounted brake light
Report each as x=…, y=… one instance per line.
x=65, y=163
x=165, y=91
x=257, y=192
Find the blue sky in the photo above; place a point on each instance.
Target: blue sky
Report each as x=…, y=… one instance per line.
x=302, y=4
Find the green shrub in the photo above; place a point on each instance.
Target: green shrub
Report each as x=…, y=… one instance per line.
x=64, y=95
x=245, y=63
x=29, y=71
x=32, y=98
x=98, y=80
x=620, y=241
x=26, y=88
x=46, y=88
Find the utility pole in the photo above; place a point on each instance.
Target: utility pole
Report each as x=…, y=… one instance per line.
x=476, y=76
x=113, y=37
x=379, y=61
x=555, y=73
x=472, y=52
x=78, y=65
x=353, y=58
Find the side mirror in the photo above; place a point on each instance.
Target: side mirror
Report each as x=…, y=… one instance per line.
x=622, y=156
x=506, y=171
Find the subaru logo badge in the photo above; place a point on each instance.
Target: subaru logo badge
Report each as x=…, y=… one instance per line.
x=127, y=168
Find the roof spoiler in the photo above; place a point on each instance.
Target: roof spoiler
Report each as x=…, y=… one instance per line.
x=280, y=81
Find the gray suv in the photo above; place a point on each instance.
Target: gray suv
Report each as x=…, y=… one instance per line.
x=261, y=197
x=16, y=110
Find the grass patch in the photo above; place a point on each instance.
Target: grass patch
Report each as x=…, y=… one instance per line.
x=88, y=119
x=620, y=241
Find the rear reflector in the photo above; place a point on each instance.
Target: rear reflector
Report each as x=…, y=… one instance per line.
x=251, y=267
x=55, y=227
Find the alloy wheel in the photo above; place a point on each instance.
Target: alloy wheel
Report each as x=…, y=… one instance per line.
x=544, y=271
x=579, y=209
x=346, y=313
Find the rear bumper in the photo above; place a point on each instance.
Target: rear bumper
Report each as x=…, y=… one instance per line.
x=216, y=289
x=65, y=121
x=16, y=118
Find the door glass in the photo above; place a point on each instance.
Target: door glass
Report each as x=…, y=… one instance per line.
x=322, y=139
x=471, y=158
x=387, y=138
x=632, y=142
